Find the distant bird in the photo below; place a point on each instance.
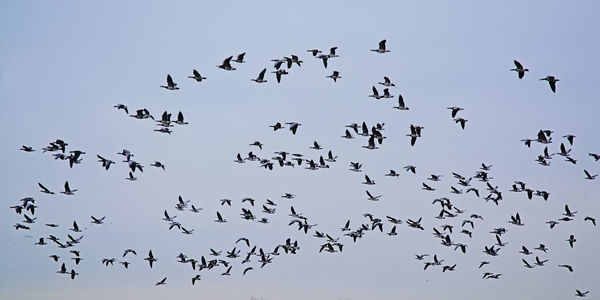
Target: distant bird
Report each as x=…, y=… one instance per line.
x=162, y=282
x=131, y=177
x=386, y=82
x=44, y=189
x=579, y=293
x=247, y=269
x=220, y=218
x=314, y=52
x=401, y=105
x=519, y=69
x=552, y=81
x=293, y=126
x=123, y=107
x=68, y=190
x=335, y=76
x=373, y=198
x=151, y=259
x=170, y=84
x=27, y=148
x=568, y=267
x=461, y=121
x=226, y=65
x=258, y=144
x=375, y=93
x=589, y=176
x=455, y=110
x=571, y=240
x=381, y=48
x=98, y=221
x=197, y=76
x=158, y=164
x=591, y=220
x=240, y=58
x=261, y=76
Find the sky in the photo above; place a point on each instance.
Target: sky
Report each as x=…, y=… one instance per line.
x=65, y=64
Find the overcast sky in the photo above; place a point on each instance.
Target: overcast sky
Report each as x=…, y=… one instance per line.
x=65, y=64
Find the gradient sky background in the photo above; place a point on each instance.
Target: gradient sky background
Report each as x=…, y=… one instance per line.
x=64, y=64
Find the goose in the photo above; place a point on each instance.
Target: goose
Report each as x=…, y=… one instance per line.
x=455, y=110
x=448, y=268
x=27, y=148
x=461, y=121
x=381, y=48
x=414, y=134
x=373, y=198
x=240, y=58
x=63, y=269
x=196, y=278
x=411, y=168
x=355, y=166
x=293, y=126
x=197, y=76
x=330, y=157
x=427, y=188
x=220, y=218
x=164, y=130
x=335, y=76
x=571, y=240
x=415, y=224
x=519, y=69
x=170, y=84
x=568, y=267
x=161, y=282
x=365, y=130
x=516, y=220
x=186, y=231
x=246, y=270
x=129, y=251
x=168, y=218
x=258, y=144
x=123, y=107
x=314, y=52
x=276, y=126
x=392, y=173
x=386, y=82
x=371, y=145
x=595, y=156
x=393, y=231
x=261, y=76
x=591, y=220
x=324, y=58
x=296, y=60
x=434, y=177
x=579, y=293
x=569, y=138
x=527, y=265
x=589, y=176
x=180, y=120
x=539, y=262
x=552, y=81
x=375, y=93
x=226, y=65
x=401, y=105
x=131, y=177
x=151, y=259
x=75, y=227
x=105, y=162
x=278, y=74
x=368, y=181
x=541, y=138
x=41, y=242
x=68, y=190
x=158, y=164
x=420, y=256
x=568, y=212
x=97, y=221
x=44, y=189
x=386, y=93
x=332, y=52
x=316, y=146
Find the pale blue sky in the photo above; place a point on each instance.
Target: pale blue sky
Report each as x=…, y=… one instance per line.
x=64, y=64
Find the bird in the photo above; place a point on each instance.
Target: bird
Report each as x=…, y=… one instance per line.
x=375, y=93
x=226, y=65
x=519, y=69
x=373, y=198
x=401, y=105
x=220, y=218
x=97, y=221
x=240, y=58
x=293, y=126
x=197, y=76
x=579, y=293
x=455, y=110
x=552, y=81
x=261, y=77
x=461, y=121
x=568, y=267
x=381, y=48
x=591, y=220
x=314, y=52
x=386, y=82
x=161, y=282
x=335, y=76
x=589, y=176
x=151, y=259
x=27, y=148
x=170, y=84
x=571, y=240
x=44, y=189
x=258, y=144
x=68, y=190
x=247, y=269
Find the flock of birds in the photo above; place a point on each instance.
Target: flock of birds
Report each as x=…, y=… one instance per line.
x=457, y=230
